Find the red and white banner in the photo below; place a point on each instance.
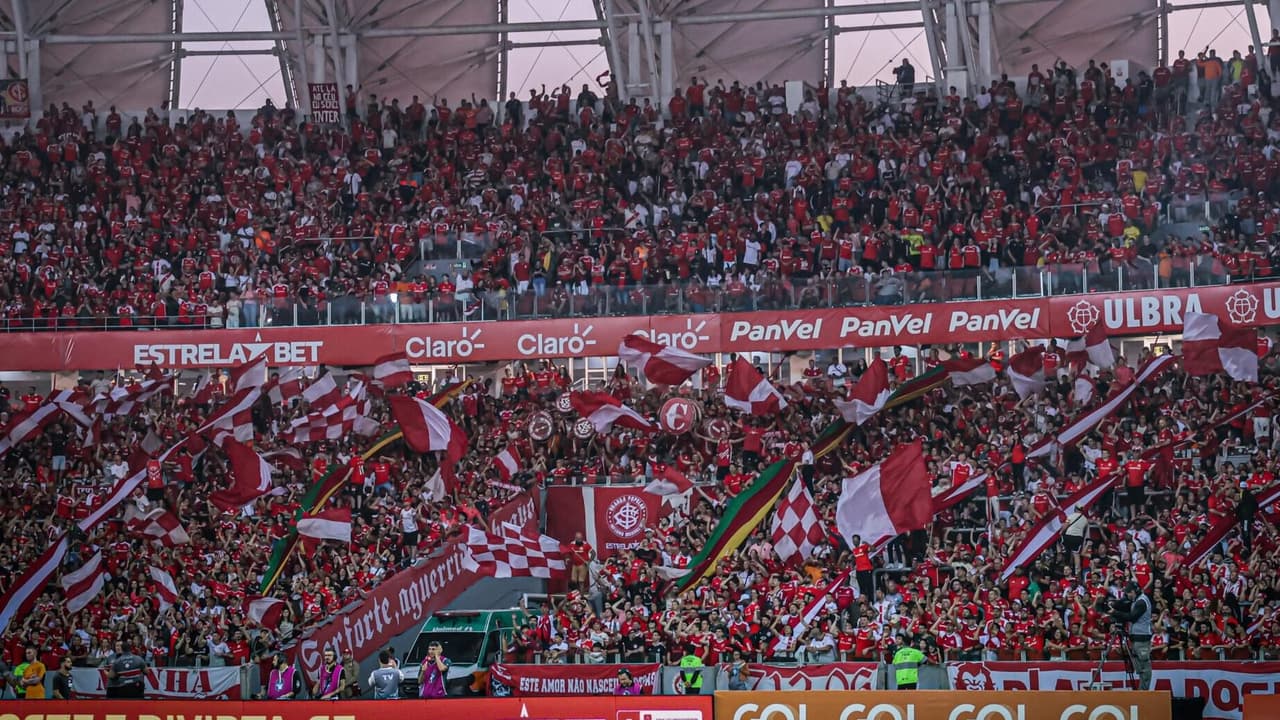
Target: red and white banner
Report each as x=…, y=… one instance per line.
x=577, y=679
x=1131, y=313
x=831, y=676
x=610, y=518
x=405, y=599
x=1224, y=684
x=214, y=683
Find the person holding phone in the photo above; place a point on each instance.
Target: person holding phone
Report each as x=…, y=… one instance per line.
x=435, y=671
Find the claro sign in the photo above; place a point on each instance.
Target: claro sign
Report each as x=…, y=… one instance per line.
x=1065, y=316
x=941, y=705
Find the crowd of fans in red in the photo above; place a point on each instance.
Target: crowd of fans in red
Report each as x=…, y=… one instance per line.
x=582, y=204
x=203, y=222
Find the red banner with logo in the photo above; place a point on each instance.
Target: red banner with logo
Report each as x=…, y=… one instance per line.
x=1130, y=313
x=828, y=676
x=404, y=600
x=549, y=708
x=610, y=518
x=215, y=683
x=577, y=679
x=1223, y=684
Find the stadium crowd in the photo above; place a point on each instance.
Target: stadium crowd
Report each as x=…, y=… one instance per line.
x=581, y=204
x=201, y=222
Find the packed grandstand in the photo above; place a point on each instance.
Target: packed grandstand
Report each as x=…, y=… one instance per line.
x=574, y=205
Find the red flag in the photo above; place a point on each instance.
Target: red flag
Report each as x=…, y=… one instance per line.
x=603, y=410
x=749, y=391
x=1208, y=348
x=264, y=611
x=250, y=476
x=659, y=363
x=166, y=591
x=889, y=498
x=1092, y=347
x=1026, y=371
x=969, y=371
x=392, y=371
x=507, y=462
x=868, y=396
x=252, y=374
x=797, y=529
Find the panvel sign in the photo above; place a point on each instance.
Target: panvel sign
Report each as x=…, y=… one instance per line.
x=1223, y=684
x=405, y=600
x=941, y=705
x=1066, y=316
x=558, y=708
x=610, y=518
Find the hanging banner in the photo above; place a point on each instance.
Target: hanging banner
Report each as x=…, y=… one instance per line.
x=828, y=676
x=325, y=108
x=212, y=683
x=1068, y=316
x=941, y=705
x=15, y=100
x=644, y=707
x=576, y=679
x=610, y=518
x=1224, y=684
x=405, y=599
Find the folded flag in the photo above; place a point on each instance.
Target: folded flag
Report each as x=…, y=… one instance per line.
x=1209, y=348
x=748, y=391
x=887, y=499
x=603, y=410
x=657, y=363
x=868, y=396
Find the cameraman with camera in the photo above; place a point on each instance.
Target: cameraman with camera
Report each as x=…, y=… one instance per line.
x=1135, y=610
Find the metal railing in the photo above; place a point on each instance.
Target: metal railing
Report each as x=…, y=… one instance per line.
x=540, y=298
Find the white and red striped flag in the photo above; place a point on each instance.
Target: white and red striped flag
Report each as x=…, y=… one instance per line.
x=512, y=553
x=969, y=371
x=166, y=591
x=747, y=390
x=156, y=524
x=264, y=611
x=392, y=371
x=323, y=392
x=1092, y=347
x=426, y=429
x=800, y=623
x=1026, y=371
x=869, y=395
x=250, y=478
x=75, y=403
x=83, y=585
x=25, y=427
x=235, y=416
x=507, y=462
x=956, y=494
x=328, y=524
x=797, y=529
x=657, y=363
x=252, y=374
x=1222, y=527
x=889, y=498
x=204, y=388
x=1209, y=348
x=1047, y=530
x=286, y=385
x=603, y=410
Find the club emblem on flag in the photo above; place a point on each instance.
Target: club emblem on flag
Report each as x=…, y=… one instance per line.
x=541, y=425
x=583, y=430
x=564, y=403
x=627, y=516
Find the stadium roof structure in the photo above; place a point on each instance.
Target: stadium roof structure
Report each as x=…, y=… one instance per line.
x=129, y=53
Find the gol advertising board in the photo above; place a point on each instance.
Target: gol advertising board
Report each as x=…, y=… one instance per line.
x=941, y=705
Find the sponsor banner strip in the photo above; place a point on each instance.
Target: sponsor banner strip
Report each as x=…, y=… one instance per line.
x=532, y=680
x=579, y=708
x=941, y=705
x=1131, y=313
x=1224, y=684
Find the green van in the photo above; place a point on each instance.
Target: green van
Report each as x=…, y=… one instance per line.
x=472, y=640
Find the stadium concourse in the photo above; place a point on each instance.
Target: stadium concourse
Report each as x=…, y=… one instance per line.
x=731, y=203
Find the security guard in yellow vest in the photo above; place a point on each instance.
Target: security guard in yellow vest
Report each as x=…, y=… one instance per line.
x=906, y=665
x=691, y=673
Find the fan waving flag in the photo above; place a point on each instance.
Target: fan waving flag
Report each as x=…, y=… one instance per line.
x=1026, y=371
x=603, y=410
x=83, y=585
x=511, y=553
x=264, y=611
x=1222, y=527
x=956, y=494
x=1092, y=347
x=328, y=524
x=25, y=428
x=660, y=364
x=252, y=374
x=969, y=371
x=392, y=371
x=1046, y=532
x=323, y=392
x=799, y=623
x=797, y=529
x=749, y=391
x=869, y=395
x=1208, y=348
x=286, y=385
x=507, y=462
x=426, y=429
x=156, y=524
x=889, y=498
x=250, y=477
x=166, y=591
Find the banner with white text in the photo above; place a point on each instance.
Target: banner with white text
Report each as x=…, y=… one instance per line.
x=532, y=680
